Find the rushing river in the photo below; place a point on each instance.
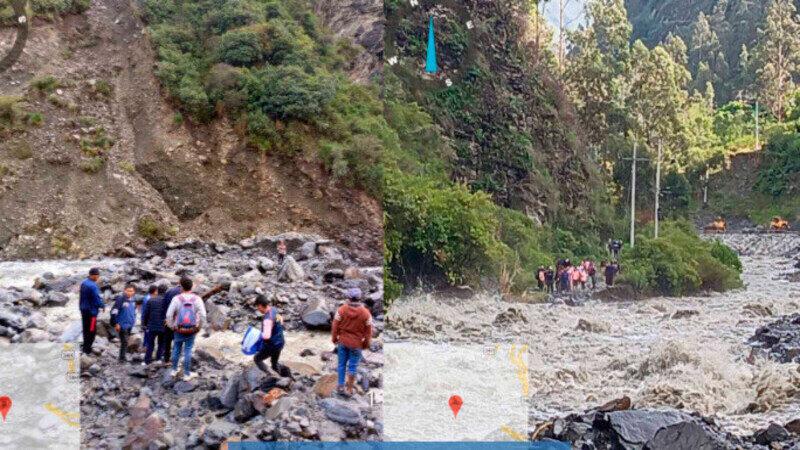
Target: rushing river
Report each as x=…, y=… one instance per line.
x=696, y=359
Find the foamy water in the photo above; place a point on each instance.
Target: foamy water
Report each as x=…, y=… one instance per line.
x=22, y=274
x=697, y=362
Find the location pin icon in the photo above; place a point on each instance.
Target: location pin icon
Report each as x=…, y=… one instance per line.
x=455, y=404
x=5, y=405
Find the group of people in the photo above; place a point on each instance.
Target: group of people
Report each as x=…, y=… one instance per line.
x=169, y=317
x=568, y=277
x=172, y=317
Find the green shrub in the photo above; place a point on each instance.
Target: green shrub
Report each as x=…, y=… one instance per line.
x=46, y=84
x=679, y=263
x=36, y=119
x=151, y=229
x=240, y=48
x=92, y=164
x=288, y=92
x=779, y=173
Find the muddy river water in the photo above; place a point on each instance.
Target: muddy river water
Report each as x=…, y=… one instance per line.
x=688, y=353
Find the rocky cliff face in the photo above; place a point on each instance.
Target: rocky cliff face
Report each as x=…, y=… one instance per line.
x=97, y=158
x=362, y=23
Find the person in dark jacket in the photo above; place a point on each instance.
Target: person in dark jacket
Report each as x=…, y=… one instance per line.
x=272, y=334
x=91, y=302
x=169, y=335
x=123, y=318
x=153, y=315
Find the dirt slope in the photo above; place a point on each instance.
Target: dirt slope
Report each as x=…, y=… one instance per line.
x=161, y=175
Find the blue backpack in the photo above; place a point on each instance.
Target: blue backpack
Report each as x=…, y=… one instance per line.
x=251, y=342
x=187, y=316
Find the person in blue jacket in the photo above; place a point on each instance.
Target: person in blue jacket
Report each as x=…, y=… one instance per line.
x=123, y=318
x=91, y=302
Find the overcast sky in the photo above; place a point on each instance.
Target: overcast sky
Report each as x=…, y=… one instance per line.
x=573, y=15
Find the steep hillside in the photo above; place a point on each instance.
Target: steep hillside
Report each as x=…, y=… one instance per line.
x=95, y=155
x=511, y=126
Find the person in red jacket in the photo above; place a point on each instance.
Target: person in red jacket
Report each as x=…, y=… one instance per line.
x=351, y=332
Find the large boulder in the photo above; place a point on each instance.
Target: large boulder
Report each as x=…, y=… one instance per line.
x=218, y=431
x=780, y=339
x=55, y=299
x=317, y=313
x=230, y=393
x=639, y=426
x=341, y=412
x=148, y=434
x=325, y=385
x=218, y=316
x=290, y=271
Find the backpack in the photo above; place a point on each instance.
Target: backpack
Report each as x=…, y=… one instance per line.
x=187, y=316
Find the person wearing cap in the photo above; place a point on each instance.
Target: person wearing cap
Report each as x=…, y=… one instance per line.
x=91, y=302
x=272, y=335
x=352, y=333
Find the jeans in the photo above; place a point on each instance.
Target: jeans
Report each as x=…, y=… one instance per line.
x=185, y=341
x=89, y=325
x=123, y=342
x=348, y=359
x=150, y=342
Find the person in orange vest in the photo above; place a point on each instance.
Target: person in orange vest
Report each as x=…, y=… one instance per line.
x=352, y=333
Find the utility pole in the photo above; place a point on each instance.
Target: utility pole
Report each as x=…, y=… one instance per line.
x=705, y=189
x=758, y=136
x=658, y=184
x=633, y=193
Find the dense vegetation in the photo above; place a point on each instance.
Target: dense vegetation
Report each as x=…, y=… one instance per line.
x=47, y=9
x=492, y=181
x=680, y=263
x=270, y=67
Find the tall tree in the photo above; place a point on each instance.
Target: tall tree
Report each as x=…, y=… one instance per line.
x=598, y=67
x=778, y=54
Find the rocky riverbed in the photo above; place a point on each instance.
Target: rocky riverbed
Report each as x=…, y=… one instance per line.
x=129, y=404
x=687, y=354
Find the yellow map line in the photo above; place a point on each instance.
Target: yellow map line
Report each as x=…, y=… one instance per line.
x=517, y=436
x=67, y=417
x=518, y=360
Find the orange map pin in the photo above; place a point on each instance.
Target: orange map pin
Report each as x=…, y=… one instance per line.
x=5, y=405
x=455, y=403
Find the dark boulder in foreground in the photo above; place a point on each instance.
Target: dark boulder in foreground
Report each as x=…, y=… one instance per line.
x=779, y=340
x=651, y=429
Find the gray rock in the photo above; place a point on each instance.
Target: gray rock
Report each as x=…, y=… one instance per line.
x=639, y=426
x=32, y=335
x=308, y=250
x=773, y=433
x=290, y=271
x=216, y=432
x=317, y=313
x=230, y=394
x=56, y=299
x=689, y=435
x=244, y=410
x=183, y=387
x=341, y=412
x=282, y=405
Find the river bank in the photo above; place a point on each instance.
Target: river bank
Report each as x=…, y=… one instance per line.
x=129, y=404
x=687, y=354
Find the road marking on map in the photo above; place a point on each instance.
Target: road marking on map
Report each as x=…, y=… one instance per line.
x=66, y=417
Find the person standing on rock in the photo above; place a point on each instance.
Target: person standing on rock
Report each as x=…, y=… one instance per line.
x=123, y=318
x=186, y=315
x=352, y=333
x=91, y=302
x=611, y=273
x=153, y=315
x=272, y=334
